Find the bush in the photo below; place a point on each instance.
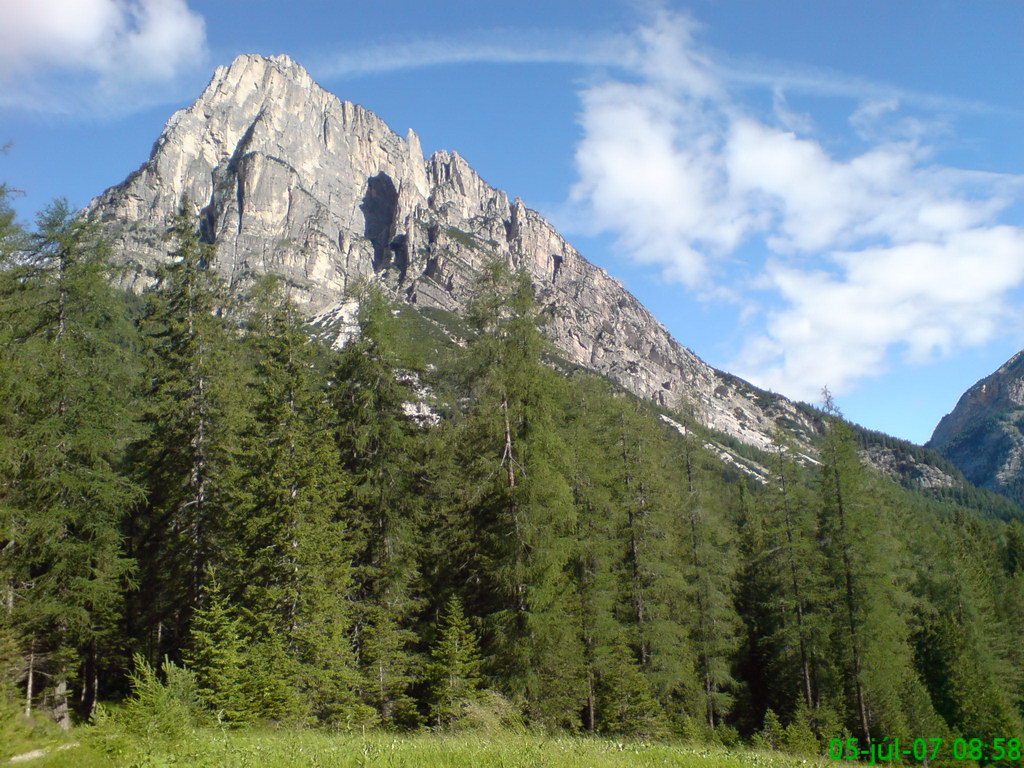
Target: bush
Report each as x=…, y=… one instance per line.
x=798, y=736
x=491, y=712
x=164, y=709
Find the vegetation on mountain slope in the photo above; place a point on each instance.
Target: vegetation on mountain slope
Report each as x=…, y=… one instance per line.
x=208, y=515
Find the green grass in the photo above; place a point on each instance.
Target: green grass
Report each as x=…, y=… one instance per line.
x=281, y=748
x=19, y=735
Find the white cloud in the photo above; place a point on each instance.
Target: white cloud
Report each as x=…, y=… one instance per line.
x=920, y=299
x=883, y=252
x=61, y=55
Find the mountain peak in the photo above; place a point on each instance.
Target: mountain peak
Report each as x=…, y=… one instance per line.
x=256, y=63
x=291, y=180
x=254, y=77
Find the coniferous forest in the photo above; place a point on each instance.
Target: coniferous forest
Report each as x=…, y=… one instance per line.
x=206, y=505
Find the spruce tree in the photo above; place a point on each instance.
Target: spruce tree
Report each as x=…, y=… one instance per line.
x=783, y=578
x=12, y=239
x=378, y=450
x=453, y=673
x=625, y=699
x=291, y=561
x=965, y=644
x=218, y=658
x=712, y=577
x=597, y=552
x=185, y=460
x=792, y=529
x=658, y=597
x=869, y=596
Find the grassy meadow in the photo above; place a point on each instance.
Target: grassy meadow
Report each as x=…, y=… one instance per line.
x=217, y=748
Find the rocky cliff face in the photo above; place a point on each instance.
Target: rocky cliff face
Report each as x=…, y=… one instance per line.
x=983, y=434
x=289, y=179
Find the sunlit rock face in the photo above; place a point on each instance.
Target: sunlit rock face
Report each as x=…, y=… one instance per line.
x=984, y=434
x=289, y=179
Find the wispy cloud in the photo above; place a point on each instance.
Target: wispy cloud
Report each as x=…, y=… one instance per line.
x=820, y=81
x=95, y=56
x=886, y=252
x=624, y=52
x=491, y=46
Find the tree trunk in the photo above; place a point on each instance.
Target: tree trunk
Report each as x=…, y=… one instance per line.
x=90, y=683
x=590, y=703
x=30, y=679
x=61, y=711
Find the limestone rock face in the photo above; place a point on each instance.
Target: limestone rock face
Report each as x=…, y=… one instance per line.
x=289, y=179
x=983, y=434
x=902, y=467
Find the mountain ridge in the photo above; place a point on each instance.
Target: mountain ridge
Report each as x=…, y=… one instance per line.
x=982, y=435
x=288, y=178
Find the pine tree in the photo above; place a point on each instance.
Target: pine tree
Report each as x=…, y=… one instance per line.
x=966, y=646
x=378, y=446
x=715, y=628
x=217, y=657
x=657, y=601
x=517, y=504
x=783, y=581
x=597, y=552
x=12, y=239
x=185, y=461
x=870, y=600
x=625, y=699
x=291, y=558
x=793, y=530
x=70, y=415
x=328, y=672
x=1012, y=605
x=453, y=672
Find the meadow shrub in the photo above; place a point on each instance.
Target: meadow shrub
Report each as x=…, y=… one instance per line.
x=491, y=712
x=163, y=709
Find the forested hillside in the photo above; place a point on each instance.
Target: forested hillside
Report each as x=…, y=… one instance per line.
x=196, y=493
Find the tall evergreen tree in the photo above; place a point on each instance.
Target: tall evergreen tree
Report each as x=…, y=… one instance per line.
x=789, y=570
x=291, y=559
x=715, y=625
x=597, y=553
x=192, y=415
x=12, y=240
x=517, y=503
x=965, y=644
x=658, y=597
x=70, y=414
x=378, y=446
x=883, y=691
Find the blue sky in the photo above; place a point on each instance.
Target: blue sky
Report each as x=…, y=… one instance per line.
x=805, y=193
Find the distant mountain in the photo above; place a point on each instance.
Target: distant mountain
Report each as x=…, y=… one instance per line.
x=984, y=434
